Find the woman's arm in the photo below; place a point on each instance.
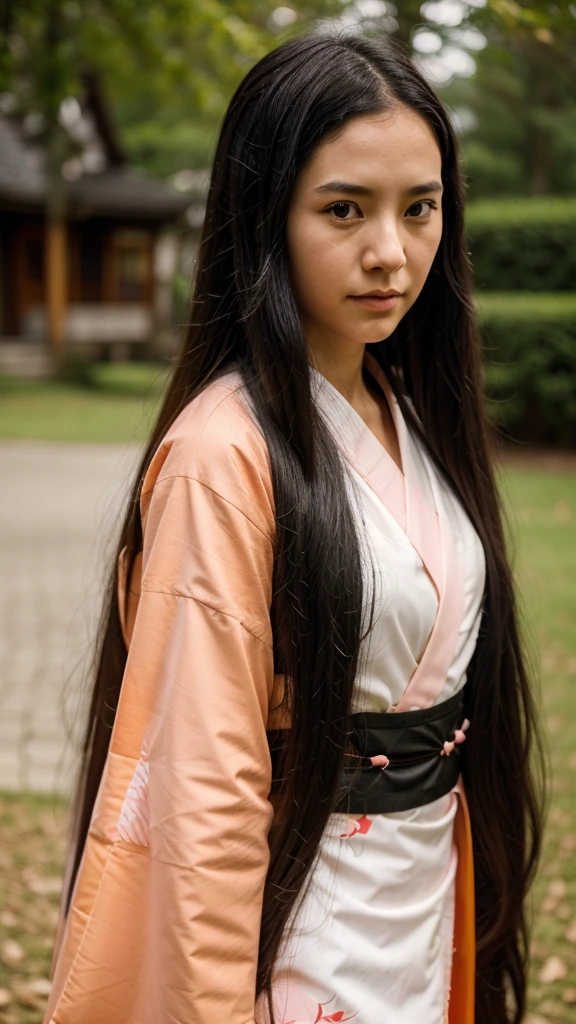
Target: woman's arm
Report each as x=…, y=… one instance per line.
x=202, y=635
x=174, y=917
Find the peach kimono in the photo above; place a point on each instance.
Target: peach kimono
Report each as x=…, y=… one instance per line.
x=165, y=914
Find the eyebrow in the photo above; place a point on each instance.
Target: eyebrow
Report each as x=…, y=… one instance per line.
x=361, y=190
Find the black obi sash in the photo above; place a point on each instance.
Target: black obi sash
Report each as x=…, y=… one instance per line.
x=419, y=771
x=419, y=768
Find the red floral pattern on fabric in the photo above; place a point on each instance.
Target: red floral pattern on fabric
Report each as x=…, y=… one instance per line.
x=357, y=825
x=337, y=1017
x=296, y=1007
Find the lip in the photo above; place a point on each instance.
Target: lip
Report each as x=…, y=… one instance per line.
x=377, y=300
x=377, y=293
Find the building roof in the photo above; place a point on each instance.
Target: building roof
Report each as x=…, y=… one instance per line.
x=100, y=182
x=118, y=191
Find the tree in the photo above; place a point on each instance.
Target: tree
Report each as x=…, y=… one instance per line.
x=183, y=57
x=522, y=97
x=169, y=67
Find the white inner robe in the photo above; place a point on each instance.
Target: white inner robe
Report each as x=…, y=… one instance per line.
x=372, y=934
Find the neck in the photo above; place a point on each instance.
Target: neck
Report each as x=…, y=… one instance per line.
x=342, y=370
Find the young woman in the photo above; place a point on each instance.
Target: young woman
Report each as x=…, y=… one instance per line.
x=310, y=665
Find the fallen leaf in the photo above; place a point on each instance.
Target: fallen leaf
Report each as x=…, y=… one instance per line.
x=568, y=843
x=552, y=869
x=552, y=1008
x=557, y=888
x=33, y=993
x=40, y=986
x=26, y=997
x=548, y=905
x=8, y=919
x=553, y=970
x=571, y=932
x=52, y=916
x=569, y=996
x=559, y=817
x=564, y=911
x=11, y=951
x=5, y=997
x=45, y=886
x=536, y=1020
x=562, y=512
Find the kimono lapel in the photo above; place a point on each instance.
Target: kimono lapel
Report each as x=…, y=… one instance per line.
x=424, y=523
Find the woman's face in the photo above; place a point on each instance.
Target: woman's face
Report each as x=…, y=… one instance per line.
x=365, y=216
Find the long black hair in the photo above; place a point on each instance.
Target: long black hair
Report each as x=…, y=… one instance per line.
x=244, y=314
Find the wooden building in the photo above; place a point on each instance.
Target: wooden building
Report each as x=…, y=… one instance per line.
x=116, y=243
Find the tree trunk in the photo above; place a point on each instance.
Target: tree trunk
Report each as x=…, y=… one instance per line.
x=56, y=290
x=408, y=17
x=540, y=98
x=56, y=245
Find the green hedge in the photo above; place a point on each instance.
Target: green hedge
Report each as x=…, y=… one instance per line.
x=529, y=346
x=523, y=244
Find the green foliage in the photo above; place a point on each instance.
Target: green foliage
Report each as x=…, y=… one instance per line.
x=523, y=244
x=529, y=345
x=546, y=21
x=489, y=170
x=521, y=98
x=168, y=67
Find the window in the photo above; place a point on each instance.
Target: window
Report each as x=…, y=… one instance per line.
x=35, y=260
x=132, y=265
x=91, y=260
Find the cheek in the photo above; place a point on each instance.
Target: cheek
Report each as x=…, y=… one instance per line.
x=318, y=264
x=421, y=256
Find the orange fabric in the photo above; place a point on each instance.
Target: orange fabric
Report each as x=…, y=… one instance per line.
x=462, y=989
x=165, y=919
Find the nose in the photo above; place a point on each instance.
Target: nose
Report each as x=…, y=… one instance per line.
x=384, y=249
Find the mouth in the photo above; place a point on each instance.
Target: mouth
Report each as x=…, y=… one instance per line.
x=377, y=294
x=378, y=301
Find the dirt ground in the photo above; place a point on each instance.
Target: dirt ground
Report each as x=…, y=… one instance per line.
x=32, y=846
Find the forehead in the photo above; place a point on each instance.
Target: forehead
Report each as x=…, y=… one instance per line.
x=395, y=149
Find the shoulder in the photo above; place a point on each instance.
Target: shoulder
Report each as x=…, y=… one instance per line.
x=217, y=442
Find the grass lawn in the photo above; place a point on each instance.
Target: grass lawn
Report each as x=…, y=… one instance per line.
x=543, y=534
x=117, y=404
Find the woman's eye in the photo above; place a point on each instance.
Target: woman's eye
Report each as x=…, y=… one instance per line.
x=424, y=202
x=340, y=210
x=347, y=211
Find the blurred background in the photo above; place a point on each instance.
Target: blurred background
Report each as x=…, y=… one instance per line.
x=109, y=115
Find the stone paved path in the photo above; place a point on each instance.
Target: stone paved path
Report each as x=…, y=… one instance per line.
x=59, y=506
x=59, y=511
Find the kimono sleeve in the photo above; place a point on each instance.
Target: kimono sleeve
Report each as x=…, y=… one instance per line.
x=200, y=673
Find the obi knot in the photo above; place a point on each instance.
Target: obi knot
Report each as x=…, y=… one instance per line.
x=380, y=761
x=459, y=737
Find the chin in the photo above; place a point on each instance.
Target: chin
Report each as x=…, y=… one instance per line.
x=385, y=331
